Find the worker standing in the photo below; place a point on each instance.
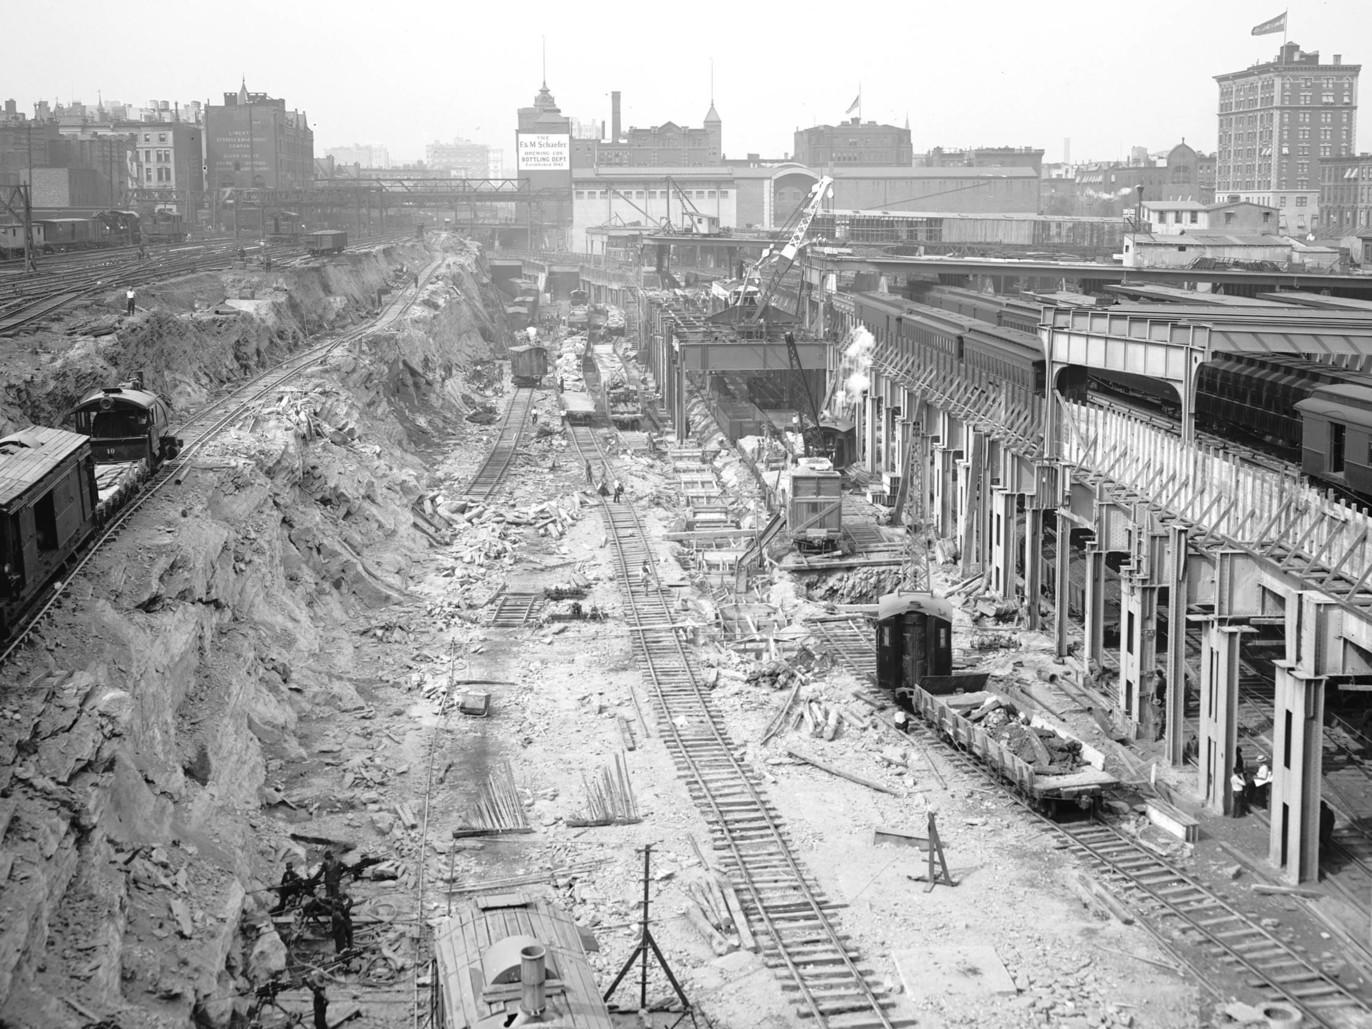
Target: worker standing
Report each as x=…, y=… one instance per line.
x=321, y=1002
x=590, y=477
x=619, y=490
x=129, y=296
x=645, y=574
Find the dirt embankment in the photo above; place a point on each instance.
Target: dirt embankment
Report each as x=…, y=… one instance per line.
x=139, y=736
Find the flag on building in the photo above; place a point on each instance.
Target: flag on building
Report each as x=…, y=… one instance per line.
x=857, y=102
x=1277, y=24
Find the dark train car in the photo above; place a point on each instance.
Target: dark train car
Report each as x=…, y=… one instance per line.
x=579, y=297
x=163, y=227
x=326, y=241
x=61, y=234
x=914, y=639
x=125, y=423
x=12, y=239
x=1336, y=444
x=48, y=499
x=528, y=364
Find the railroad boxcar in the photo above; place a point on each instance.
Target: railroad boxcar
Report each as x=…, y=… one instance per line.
x=528, y=364
x=61, y=234
x=163, y=227
x=1336, y=442
x=48, y=500
x=814, y=506
x=326, y=241
x=126, y=424
x=12, y=239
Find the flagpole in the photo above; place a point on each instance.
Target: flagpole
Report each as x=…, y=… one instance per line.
x=1285, y=19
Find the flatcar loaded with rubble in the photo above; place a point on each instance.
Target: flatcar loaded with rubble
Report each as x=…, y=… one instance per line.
x=1043, y=762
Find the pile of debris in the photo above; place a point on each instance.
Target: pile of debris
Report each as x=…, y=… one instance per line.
x=775, y=674
x=1037, y=746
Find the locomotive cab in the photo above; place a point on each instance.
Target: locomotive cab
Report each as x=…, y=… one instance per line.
x=126, y=424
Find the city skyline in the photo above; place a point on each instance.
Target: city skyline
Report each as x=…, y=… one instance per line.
x=1102, y=78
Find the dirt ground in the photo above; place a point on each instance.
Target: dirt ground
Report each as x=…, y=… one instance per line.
x=357, y=623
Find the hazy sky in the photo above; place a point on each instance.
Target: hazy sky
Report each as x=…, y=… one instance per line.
x=1107, y=75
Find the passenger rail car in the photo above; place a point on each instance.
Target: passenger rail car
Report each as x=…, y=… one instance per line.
x=48, y=501
x=1336, y=443
x=959, y=343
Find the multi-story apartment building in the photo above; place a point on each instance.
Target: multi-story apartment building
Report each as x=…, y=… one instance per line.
x=1279, y=120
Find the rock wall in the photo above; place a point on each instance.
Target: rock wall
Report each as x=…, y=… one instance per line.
x=140, y=733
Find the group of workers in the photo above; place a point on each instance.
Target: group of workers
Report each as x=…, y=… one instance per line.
x=297, y=893
x=335, y=905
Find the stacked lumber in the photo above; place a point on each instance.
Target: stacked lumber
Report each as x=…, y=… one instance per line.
x=712, y=906
x=609, y=796
x=498, y=808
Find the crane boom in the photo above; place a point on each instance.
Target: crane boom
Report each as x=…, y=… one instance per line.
x=781, y=258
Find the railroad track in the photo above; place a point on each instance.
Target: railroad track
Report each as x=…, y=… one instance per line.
x=514, y=609
x=784, y=905
x=198, y=432
x=1166, y=898
x=493, y=470
x=852, y=640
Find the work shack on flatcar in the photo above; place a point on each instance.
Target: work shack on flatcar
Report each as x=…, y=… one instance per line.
x=47, y=507
x=509, y=956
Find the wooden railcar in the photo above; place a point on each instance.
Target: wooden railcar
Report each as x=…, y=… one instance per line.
x=48, y=501
x=528, y=364
x=814, y=505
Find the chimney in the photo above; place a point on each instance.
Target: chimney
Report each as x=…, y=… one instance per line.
x=533, y=969
x=614, y=116
x=1338, y=58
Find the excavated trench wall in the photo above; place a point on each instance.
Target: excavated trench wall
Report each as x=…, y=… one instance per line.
x=139, y=734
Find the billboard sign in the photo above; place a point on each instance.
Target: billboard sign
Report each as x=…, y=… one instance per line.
x=544, y=151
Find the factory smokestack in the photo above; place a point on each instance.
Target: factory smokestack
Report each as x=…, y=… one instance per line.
x=614, y=116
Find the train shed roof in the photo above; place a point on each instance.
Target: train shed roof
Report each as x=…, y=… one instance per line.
x=30, y=454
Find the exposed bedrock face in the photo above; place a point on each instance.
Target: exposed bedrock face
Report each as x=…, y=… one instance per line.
x=138, y=732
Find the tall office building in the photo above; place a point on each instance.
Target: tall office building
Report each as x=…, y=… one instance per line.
x=1277, y=120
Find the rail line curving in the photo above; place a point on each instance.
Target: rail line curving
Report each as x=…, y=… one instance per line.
x=785, y=906
x=198, y=431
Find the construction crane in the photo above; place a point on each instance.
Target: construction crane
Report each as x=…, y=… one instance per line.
x=778, y=260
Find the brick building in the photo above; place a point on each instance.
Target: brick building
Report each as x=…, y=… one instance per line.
x=1279, y=120
x=854, y=143
x=252, y=140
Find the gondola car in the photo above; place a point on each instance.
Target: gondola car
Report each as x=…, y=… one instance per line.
x=126, y=424
x=528, y=364
x=48, y=502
